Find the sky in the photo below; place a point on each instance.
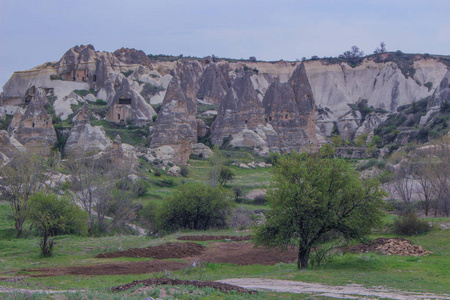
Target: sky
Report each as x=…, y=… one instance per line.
x=34, y=32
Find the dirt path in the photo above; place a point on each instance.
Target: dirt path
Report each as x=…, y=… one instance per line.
x=351, y=291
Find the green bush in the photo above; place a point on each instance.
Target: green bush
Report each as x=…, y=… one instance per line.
x=195, y=206
x=184, y=171
x=52, y=216
x=225, y=175
x=410, y=224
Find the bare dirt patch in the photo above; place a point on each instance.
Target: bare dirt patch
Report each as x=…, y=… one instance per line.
x=168, y=250
x=223, y=287
x=395, y=246
x=214, y=238
x=239, y=253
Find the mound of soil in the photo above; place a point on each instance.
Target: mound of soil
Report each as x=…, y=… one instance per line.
x=396, y=246
x=223, y=287
x=168, y=250
x=214, y=238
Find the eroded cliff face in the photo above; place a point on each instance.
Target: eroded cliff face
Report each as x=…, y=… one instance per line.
x=271, y=105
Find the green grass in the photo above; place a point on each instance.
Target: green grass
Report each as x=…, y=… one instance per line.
x=420, y=274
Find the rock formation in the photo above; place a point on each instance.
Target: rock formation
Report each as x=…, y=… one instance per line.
x=132, y=56
x=85, y=139
x=213, y=86
x=240, y=110
x=290, y=109
x=34, y=128
x=189, y=73
x=348, y=124
x=442, y=93
x=129, y=105
x=176, y=126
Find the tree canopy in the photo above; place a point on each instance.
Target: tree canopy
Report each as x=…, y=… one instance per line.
x=314, y=194
x=53, y=216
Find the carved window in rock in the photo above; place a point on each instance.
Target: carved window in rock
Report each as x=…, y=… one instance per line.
x=246, y=122
x=286, y=116
x=94, y=79
x=125, y=101
x=270, y=118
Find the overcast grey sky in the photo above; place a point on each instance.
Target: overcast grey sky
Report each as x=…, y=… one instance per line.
x=33, y=32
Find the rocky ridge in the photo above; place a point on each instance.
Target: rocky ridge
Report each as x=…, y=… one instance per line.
x=314, y=95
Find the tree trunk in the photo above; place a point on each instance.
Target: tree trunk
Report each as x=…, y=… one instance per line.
x=19, y=227
x=303, y=256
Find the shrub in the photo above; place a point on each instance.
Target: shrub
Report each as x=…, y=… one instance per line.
x=225, y=175
x=81, y=93
x=409, y=224
x=238, y=193
x=260, y=200
x=151, y=90
x=52, y=216
x=195, y=206
x=184, y=171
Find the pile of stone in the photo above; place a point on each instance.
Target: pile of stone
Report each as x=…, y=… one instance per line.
x=253, y=165
x=401, y=247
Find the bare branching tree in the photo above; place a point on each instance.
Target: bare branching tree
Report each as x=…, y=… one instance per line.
x=21, y=178
x=404, y=182
x=104, y=189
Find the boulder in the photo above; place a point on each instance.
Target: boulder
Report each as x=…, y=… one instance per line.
x=174, y=171
x=201, y=150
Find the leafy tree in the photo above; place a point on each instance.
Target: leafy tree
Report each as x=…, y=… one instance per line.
x=52, y=216
x=381, y=49
x=20, y=179
x=312, y=196
x=225, y=175
x=195, y=206
x=354, y=52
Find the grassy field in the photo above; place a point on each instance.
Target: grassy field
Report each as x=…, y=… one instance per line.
x=416, y=274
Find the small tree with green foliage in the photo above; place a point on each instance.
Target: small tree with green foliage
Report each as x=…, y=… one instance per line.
x=225, y=175
x=311, y=196
x=195, y=206
x=52, y=216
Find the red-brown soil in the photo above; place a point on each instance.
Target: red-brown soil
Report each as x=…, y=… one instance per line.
x=168, y=250
x=214, y=238
x=223, y=287
x=242, y=253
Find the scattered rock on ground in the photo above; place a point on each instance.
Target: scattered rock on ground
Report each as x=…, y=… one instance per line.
x=223, y=287
x=214, y=238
